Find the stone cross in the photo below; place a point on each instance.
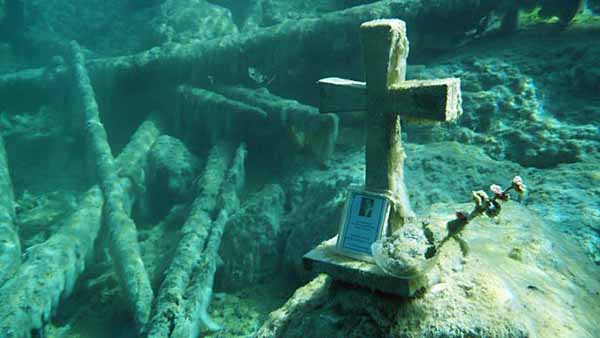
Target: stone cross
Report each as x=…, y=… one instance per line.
x=387, y=96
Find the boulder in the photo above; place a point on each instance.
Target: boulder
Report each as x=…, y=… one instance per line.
x=252, y=243
x=517, y=263
x=172, y=170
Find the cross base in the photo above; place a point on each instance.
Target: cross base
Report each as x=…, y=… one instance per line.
x=325, y=259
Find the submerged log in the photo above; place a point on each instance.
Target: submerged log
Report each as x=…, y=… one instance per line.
x=194, y=316
x=124, y=246
x=272, y=50
x=187, y=257
x=50, y=270
x=52, y=267
x=249, y=115
x=10, y=245
x=306, y=298
x=201, y=111
x=303, y=124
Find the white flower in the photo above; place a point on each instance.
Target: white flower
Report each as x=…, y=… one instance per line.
x=496, y=189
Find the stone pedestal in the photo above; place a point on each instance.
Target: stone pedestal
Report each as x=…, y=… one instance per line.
x=324, y=258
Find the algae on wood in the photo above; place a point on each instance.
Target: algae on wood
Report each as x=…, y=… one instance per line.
x=194, y=317
x=187, y=257
x=10, y=245
x=51, y=268
x=124, y=246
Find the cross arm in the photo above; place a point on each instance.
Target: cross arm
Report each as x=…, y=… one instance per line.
x=434, y=100
x=431, y=100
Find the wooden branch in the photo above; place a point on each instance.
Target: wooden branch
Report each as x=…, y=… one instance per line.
x=10, y=245
x=124, y=246
x=306, y=298
x=203, y=111
x=132, y=160
x=249, y=114
x=194, y=317
x=51, y=268
x=227, y=59
x=187, y=256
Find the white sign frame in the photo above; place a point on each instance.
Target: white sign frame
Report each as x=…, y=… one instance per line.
x=364, y=220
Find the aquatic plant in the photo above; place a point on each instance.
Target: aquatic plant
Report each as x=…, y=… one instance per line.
x=484, y=205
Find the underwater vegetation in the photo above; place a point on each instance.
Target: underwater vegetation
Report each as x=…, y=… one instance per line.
x=165, y=165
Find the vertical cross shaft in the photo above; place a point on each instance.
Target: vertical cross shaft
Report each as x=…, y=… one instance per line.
x=385, y=48
x=387, y=96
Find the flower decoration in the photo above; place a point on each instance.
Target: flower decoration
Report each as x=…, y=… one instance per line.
x=518, y=185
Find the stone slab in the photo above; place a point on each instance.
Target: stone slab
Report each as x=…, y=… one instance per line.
x=325, y=259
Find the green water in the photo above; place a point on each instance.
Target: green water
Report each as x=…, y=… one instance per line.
x=216, y=162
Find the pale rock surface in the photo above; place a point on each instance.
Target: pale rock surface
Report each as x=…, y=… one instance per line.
x=520, y=279
x=512, y=104
x=182, y=21
x=565, y=195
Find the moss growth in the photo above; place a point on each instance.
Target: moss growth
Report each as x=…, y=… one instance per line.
x=586, y=19
x=516, y=254
x=536, y=16
x=533, y=17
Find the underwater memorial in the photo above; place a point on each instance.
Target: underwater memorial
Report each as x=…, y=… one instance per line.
x=279, y=168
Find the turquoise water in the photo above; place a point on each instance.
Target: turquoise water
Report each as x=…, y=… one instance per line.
x=166, y=164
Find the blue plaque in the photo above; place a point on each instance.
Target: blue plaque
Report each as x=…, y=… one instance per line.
x=364, y=220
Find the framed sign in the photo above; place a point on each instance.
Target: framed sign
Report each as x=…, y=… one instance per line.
x=363, y=222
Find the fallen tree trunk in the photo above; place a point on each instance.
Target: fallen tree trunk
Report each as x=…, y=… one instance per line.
x=249, y=115
x=50, y=270
x=318, y=42
x=52, y=267
x=124, y=246
x=194, y=316
x=201, y=111
x=10, y=245
x=308, y=129
x=131, y=163
x=187, y=256
x=306, y=298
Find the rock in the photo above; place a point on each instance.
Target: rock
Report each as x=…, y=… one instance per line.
x=506, y=111
x=43, y=135
x=171, y=173
x=252, y=243
x=240, y=9
x=182, y=21
x=39, y=214
x=565, y=194
x=486, y=293
x=317, y=196
x=265, y=13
